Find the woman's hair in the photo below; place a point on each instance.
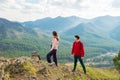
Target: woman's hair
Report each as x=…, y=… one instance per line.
x=76, y=36
x=55, y=35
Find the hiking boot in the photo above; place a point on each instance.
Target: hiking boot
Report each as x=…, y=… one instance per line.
x=85, y=73
x=73, y=70
x=51, y=64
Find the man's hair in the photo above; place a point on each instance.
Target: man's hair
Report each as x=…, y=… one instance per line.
x=76, y=36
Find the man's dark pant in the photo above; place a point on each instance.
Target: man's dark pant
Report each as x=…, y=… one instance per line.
x=52, y=53
x=76, y=58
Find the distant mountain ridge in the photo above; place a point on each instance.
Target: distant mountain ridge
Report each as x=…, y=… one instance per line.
x=10, y=29
x=103, y=27
x=115, y=33
x=59, y=23
x=103, y=24
x=16, y=39
x=96, y=30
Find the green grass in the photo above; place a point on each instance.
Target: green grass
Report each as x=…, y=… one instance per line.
x=96, y=73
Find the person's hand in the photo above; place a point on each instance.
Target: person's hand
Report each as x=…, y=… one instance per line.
x=50, y=50
x=82, y=58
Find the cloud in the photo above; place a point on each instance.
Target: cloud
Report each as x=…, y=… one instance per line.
x=116, y=3
x=32, y=1
x=22, y=10
x=73, y=4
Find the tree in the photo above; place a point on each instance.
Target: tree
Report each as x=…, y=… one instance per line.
x=116, y=61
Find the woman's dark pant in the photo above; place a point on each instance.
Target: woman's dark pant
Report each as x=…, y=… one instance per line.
x=76, y=58
x=52, y=53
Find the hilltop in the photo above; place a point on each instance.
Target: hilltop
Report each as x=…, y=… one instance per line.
x=26, y=68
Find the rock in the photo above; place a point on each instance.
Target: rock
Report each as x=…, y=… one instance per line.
x=42, y=71
x=33, y=78
x=35, y=56
x=58, y=79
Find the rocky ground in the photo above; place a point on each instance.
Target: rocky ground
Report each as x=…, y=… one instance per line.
x=26, y=68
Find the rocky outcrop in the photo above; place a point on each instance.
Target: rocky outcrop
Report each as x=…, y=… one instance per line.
x=26, y=68
x=9, y=68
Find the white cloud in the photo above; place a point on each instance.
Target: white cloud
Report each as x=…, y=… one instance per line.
x=116, y=3
x=22, y=10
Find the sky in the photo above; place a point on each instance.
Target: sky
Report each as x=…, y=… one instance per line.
x=28, y=10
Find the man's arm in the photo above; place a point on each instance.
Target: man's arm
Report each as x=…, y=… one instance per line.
x=82, y=49
x=72, y=49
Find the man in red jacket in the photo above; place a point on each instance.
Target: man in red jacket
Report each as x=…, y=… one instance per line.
x=78, y=52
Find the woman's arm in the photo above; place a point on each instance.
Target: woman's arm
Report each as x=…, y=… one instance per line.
x=54, y=44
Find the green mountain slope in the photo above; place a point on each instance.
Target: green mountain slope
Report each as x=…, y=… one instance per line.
x=13, y=30
x=17, y=40
x=107, y=23
x=92, y=37
x=115, y=33
x=95, y=33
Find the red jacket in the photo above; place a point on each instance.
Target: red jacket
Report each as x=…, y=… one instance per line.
x=78, y=49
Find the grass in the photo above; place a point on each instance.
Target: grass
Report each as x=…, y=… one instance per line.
x=95, y=73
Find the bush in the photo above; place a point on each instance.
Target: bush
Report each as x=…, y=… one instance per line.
x=116, y=61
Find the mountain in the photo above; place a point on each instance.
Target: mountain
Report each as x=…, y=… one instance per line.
x=26, y=68
x=107, y=23
x=59, y=23
x=97, y=27
x=98, y=34
x=115, y=33
x=84, y=29
x=96, y=31
x=103, y=24
x=96, y=40
x=18, y=40
x=10, y=29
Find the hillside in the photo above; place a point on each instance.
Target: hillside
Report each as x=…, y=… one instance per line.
x=93, y=32
x=25, y=68
x=115, y=32
x=17, y=40
x=13, y=30
x=93, y=37
x=107, y=23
